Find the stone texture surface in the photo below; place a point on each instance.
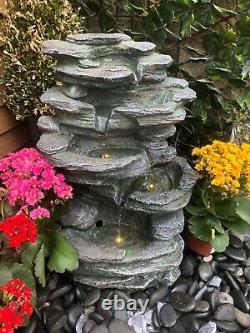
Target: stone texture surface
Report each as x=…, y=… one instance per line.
x=165, y=226
x=115, y=107
x=98, y=38
x=48, y=124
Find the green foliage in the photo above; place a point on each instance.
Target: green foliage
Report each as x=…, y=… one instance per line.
x=27, y=73
x=52, y=251
x=29, y=254
x=62, y=255
x=210, y=43
x=40, y=266
x=212, y=218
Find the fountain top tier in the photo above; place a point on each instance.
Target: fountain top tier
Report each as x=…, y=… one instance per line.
x=115, y=107
x=107, y=83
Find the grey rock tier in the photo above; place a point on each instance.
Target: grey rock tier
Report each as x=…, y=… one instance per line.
x=97, y=38
x=115, y=108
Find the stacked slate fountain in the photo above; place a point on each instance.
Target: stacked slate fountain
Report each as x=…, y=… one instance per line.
x=115, y=107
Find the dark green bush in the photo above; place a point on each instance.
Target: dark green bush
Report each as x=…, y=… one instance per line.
x=26, y=71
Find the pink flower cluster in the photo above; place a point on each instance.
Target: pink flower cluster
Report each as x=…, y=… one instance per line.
x=30, y=180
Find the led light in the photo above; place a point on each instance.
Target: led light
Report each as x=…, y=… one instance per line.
x=151, y=187
x=119, y=240
x=106, y=156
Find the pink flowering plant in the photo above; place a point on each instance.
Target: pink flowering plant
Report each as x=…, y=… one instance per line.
x=32, y=183
x=31, y=192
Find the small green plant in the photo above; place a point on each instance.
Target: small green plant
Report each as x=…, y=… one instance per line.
x=27, y=73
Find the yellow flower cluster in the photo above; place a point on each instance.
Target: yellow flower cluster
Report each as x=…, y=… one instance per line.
x=227, y=166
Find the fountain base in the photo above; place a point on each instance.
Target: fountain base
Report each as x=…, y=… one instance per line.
x=122, y=249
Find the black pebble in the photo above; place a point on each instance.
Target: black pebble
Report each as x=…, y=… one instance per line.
x=42, y=298
x=67, y=328
x=164, y=330
x=231, y=268
x=96, y=317
x=182, y=284
x=190, y=322
x=236, y=254
x=178, y=328
x=59, y=292
x=240, y=300
x=202, y=306
x=74, y=313
x=79, y=293
x=245, y=289
x=247, y=273
x=56, y=321
x=227, y=326
x=88, y=326
x=155, y=318
x=220, y=257
x=69, y=299
x=226, y=289
x=241, y=280
x=158, y=295
x=32, y=326
x=235, y=242
x=188, y=266
x=182, y=302
x=231, y=281
x=206, y=271
x=213, y=299
x=201, y=292
x=92, y=297
x=53, y=283
x=168, y=315
x=56, y=305
x=201, y=315
x=193, y=288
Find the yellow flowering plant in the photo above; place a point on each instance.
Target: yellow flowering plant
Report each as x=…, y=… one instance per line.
x=221, y=201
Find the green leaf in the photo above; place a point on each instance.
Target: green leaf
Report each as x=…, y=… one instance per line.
x=195, y=50
x=199, y=109
x=62, y=254
x=5, y=275
x=241, y=227
x=40, y=266
x=29, y=254
x=203, y=227
x=223, y=10
x=198, y=211
x=243, y=208
x=225, y=209
x=220, y=242
x=244, y=101
x=187, y=21
x=200, y=228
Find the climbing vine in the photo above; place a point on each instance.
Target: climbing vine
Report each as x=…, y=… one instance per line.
x=210, y=43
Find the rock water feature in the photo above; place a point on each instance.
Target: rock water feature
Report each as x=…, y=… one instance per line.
x=115, y=107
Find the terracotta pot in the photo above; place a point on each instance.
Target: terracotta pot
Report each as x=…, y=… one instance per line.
x=200, y=247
